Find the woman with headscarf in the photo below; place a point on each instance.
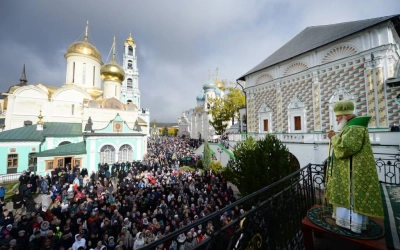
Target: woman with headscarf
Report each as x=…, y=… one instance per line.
x=139, y=242
x=79, y=242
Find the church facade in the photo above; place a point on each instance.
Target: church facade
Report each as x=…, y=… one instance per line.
x=295, y=88
x=99, y=104
x=194, y=123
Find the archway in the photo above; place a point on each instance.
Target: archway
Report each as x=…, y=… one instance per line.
x=294, y=161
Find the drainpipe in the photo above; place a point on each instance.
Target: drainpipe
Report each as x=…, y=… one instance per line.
x=245, y=98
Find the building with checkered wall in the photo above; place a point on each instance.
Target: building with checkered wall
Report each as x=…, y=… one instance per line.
x=294, y=89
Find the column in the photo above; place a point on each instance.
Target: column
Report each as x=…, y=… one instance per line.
x=279, y=125
x=370, y=89
x=376, y=94
x=317, y=104
x=382, y=106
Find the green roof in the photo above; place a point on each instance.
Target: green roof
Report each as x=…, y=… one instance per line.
x=51, y=129
x=68, y=149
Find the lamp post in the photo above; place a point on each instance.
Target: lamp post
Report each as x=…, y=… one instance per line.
x=220, y=152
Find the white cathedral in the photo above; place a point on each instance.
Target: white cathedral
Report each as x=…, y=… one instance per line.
x=82, y=95
x=194, y=123
x=94, y=117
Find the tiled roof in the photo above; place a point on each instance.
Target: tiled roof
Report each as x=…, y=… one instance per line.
x=51, y=129
x=68, y=149
x=314, y=37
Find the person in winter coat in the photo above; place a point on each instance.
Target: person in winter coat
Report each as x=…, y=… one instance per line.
x=190, y=242
x=139, y=242
x=2, y=192
x=44, y=186
x=6, y=218
x=79, y=242
x=17, y=203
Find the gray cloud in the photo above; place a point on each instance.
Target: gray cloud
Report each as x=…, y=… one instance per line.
x=178, y=41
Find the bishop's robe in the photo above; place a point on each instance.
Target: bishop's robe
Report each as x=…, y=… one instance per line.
x=353, y=164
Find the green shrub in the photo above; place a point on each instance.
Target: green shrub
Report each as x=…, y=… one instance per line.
x=199, y=164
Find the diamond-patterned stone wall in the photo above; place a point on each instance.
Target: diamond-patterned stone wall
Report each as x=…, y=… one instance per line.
x=352, y=79
x=392, y=107
x=303, y=90
x=350, y=75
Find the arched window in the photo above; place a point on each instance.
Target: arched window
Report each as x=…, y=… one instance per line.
x=107, y=154
x=130, y=51
x=130, y=64
x=125, y=153
x=64, y=143
x=129, y=84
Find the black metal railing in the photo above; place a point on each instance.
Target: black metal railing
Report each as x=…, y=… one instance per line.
x=388, y=167
x=272, y=219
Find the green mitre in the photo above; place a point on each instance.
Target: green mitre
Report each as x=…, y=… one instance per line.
x=344, y=107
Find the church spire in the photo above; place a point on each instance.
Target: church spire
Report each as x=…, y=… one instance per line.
x=113, y=50
x=86, y=31
x=23, y=79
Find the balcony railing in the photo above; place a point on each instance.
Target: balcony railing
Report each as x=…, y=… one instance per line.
x=273, y=214
x=376, y=137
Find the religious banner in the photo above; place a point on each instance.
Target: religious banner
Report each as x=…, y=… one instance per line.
x=317, y=120
x=279, y=110
x=381, y=98
x=371, y=98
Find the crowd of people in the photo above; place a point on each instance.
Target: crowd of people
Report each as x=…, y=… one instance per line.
x=120, y=206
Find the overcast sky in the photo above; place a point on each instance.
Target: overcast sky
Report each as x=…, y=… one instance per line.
x=178, y=41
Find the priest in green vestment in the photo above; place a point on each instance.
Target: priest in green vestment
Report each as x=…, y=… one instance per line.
x=353, y=185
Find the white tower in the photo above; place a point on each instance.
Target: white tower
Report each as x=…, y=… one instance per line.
x=112, y=75
x=83, y=64
x=130, y=86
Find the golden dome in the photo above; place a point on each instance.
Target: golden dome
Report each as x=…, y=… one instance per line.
x=84, y=48
x=112, y=71
x=220, y=84
x=130, y=41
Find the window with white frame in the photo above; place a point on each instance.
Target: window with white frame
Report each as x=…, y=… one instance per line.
x=297, y=116
x=107, y=154
x=125, y=153
x=265, y=123
x=265, y=119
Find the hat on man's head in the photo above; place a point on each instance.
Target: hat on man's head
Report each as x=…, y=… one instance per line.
x=344, y=107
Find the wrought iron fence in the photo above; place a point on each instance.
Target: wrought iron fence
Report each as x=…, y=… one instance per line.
x=388, y=167
x=272, y=219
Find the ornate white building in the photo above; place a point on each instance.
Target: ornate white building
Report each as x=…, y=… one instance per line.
x=130, y=87
x=94, y=117
x=194, y=123
x=91, y=89
x=295, y=88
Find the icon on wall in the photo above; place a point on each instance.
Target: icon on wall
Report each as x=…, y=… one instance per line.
x=117, y=127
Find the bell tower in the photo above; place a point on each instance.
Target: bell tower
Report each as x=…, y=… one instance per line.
x=130, y=87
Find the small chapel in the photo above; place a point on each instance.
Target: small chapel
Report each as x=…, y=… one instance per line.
x=95, y=117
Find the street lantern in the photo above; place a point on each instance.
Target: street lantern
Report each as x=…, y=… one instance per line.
x=220, y=150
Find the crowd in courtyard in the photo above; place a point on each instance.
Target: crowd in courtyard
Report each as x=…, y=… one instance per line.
x=121, y=206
